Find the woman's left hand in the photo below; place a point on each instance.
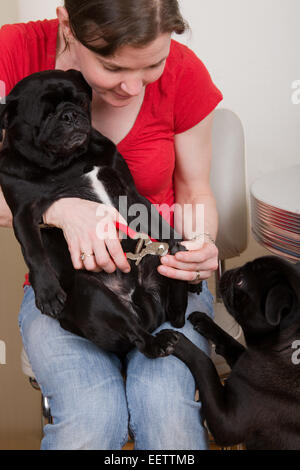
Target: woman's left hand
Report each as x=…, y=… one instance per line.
x=201, y=258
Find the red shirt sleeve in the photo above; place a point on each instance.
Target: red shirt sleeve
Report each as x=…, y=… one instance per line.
x=11, y=56
x=26, y=48
x=196, y=96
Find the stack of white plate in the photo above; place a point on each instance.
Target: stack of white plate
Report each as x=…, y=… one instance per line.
x=275, y=208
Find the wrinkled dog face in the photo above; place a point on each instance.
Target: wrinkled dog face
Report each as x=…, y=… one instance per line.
x=65, y=124
x=262, y=295
x=48, y=114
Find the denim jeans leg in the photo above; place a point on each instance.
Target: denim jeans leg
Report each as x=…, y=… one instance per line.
x=83, y=383
x=161, y=393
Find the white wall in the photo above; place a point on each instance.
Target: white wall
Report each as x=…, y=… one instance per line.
x=252, y=49
x=37, y=9
x=9, y=12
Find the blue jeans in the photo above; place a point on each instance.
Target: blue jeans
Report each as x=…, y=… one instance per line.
x=93, y=408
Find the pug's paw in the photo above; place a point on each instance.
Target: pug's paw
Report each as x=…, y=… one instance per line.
x=203, y=324
x=163, y=344
x=50, y=300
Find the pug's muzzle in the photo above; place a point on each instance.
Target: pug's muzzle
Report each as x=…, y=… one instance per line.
x=66, y=130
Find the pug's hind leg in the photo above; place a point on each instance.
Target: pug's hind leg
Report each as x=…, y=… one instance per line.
x=161, y=345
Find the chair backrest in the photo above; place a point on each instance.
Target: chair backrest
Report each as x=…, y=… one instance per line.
x=228, y=183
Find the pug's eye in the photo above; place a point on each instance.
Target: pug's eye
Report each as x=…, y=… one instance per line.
x=240, y=281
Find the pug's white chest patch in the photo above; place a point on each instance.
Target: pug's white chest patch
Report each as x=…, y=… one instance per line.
x=97, y=187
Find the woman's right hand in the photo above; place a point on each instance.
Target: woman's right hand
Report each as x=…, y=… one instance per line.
x=90, y=228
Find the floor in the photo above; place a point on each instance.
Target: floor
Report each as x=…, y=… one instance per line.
x=212, y=446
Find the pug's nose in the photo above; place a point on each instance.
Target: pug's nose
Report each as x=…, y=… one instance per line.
x=69, y=117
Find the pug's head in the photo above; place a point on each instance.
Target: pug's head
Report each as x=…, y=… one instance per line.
x=47, y=119
x=263, y=296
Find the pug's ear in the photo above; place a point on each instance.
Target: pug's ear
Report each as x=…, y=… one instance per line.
x=84, y=84
x=279, y=304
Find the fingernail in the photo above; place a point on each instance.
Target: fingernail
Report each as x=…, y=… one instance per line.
x=164, y=259
x=163, y=269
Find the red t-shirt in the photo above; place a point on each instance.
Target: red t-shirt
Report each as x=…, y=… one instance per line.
x=180, y=99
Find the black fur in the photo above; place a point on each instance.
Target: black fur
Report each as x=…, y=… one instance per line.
x=49, y=147
x=259, y=404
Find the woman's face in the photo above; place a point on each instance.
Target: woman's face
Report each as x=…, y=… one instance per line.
x=120, y=78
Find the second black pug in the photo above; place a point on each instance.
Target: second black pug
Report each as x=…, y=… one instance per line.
x=50, y=152
x=259, y=403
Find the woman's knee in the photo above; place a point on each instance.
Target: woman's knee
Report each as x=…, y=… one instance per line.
x=89, y=418
x=164, y=416
x=87, y=403
x=162, y=407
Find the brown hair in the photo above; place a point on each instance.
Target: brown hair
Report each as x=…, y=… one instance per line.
x=122, y=22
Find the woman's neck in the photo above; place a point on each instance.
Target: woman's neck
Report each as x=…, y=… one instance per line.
x=64, y=57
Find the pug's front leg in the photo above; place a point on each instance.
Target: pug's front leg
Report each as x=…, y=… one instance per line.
x=226, y=345
x=49, y=296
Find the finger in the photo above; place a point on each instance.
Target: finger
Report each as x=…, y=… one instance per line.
x=203, y=275
x=208, y=251
x=117, y=255
x=88, y=259
x=192, y=244
x=171, y=261
x=181, y=275
x=113, y=248
x=91, y=265
x=102, y=258
x=208, y=265
x=75, y=254
x=82, y=253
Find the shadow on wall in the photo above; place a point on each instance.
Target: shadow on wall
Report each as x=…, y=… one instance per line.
x=9, y=12
x=20, y=424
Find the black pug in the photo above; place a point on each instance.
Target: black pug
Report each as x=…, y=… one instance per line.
x=50, y=152
x=259, y=403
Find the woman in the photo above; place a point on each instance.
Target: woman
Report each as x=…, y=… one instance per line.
x=154, y=99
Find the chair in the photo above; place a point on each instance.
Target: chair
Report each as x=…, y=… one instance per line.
x=228, y=184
